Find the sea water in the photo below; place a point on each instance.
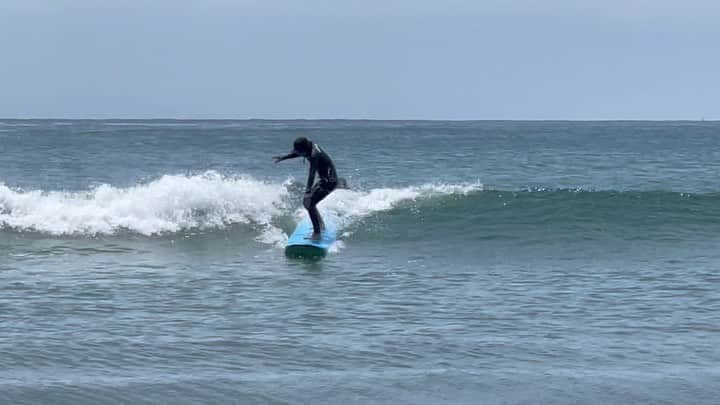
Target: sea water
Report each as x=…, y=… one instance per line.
x=478, y=262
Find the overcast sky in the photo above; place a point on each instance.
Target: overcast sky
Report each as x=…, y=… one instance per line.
x=402, y=59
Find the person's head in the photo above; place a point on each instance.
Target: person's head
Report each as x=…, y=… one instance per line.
x=303, y=146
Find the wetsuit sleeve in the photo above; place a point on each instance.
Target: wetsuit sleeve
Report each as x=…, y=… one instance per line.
x=290, y=155
x=311, y=177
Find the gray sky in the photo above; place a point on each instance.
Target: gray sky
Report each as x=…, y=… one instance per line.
x=401, y=59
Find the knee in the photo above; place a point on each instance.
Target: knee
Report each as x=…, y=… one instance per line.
x=307, y=202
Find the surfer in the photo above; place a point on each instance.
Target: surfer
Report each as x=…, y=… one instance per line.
x=321, y=164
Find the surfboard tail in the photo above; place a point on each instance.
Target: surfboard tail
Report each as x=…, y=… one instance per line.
x=305, y=252
x=301, y=244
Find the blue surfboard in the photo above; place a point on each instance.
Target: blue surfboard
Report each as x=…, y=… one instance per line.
x=300, y=243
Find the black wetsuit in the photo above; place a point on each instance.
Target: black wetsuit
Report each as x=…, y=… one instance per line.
x=321, y=164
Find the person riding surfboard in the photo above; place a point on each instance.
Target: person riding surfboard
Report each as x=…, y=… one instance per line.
x=321, y=164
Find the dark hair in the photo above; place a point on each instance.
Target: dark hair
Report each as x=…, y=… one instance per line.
x=302, y=145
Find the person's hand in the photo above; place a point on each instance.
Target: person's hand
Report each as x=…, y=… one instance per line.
x=276, y=159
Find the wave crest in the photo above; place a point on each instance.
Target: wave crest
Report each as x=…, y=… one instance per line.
x=168, y=204
x=177, y=203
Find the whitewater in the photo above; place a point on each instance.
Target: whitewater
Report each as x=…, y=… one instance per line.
x=175, y=203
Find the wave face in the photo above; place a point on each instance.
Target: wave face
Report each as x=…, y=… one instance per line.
x=178, y=203
x=211, y=201
x=544, y=215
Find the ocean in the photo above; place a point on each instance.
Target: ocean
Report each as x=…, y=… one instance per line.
x=486, y=262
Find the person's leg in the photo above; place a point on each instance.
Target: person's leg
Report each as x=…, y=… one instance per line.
x=317, y=194
x=316, y=219
x=310, y=205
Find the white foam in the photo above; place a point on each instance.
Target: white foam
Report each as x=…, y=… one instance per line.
x=348, y=206
x=176, y=203
x=168, y=204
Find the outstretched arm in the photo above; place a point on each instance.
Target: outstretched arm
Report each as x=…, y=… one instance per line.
x=290, y=155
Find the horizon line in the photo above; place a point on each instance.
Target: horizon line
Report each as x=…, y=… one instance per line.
x=369, y=119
